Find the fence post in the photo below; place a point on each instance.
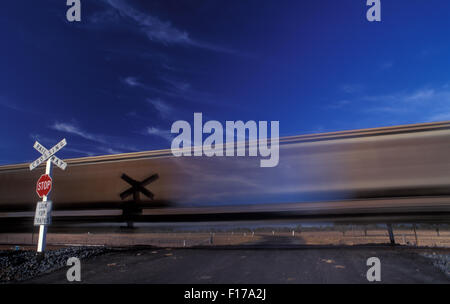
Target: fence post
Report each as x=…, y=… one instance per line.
x=391, y=233
x=415, y=235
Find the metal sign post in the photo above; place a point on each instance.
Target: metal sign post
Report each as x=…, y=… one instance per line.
x=43, y=228
x=43, y=209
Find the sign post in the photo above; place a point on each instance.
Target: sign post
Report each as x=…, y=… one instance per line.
x=43, y=228
x=43, y=187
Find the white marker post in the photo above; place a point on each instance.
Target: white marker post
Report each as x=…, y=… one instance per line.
x=43, y=228
x=49, y=157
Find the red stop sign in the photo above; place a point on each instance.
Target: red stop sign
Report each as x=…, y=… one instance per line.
x=44, y=185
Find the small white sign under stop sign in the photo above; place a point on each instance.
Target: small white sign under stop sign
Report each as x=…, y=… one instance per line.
x=43, y=215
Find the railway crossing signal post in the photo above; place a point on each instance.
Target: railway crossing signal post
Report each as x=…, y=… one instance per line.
x=43, y=187
x=132, y=208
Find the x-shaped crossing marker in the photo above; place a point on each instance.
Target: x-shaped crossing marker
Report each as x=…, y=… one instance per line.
x=137, y=187
x=49, y=154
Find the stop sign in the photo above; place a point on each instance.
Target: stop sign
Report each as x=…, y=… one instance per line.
x=44, y=185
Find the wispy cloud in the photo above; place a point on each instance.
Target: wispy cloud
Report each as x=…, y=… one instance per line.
x=170, y=88
x=109, y=145
x=9, y=105
x=440, y=117
x=153, y=27
x=72, y=129
x=178, y=85
x=420, y=105
x=79, y=151
x=156, y=29
x=394, y=109
x=415, y=97
x=162, y=107
x=132, y=81
x=154, y=131
x=110, y=150
x=424, y=94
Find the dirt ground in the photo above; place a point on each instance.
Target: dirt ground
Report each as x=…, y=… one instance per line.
x=256, y=266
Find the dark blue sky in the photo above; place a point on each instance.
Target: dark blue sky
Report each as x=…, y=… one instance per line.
x=116, y=81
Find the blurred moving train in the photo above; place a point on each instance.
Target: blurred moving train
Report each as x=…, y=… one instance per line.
x=383, y=170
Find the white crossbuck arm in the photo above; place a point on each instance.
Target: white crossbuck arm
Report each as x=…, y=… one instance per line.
x=49, y=154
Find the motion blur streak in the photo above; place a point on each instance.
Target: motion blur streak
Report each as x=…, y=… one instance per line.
x=383, y=165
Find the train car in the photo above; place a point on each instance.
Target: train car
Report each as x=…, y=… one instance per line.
x=390, y=167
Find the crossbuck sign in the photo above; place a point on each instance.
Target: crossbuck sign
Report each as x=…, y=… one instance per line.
x=43, y=209
x=49, y=154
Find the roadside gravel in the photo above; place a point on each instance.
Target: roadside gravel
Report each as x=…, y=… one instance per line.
x=441, y=261
x=16, y=266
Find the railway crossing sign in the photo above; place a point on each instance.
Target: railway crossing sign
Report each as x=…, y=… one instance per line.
x=137, y=187
x=42, y=216
x=44, y=185
x=49, y=154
